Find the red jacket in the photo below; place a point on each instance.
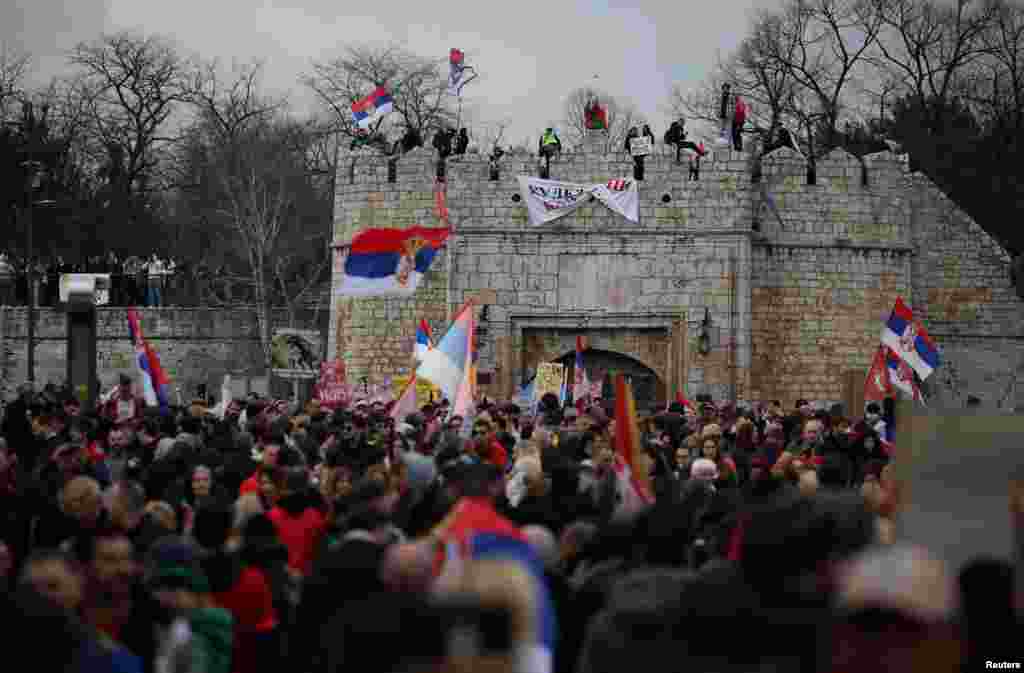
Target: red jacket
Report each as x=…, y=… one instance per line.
x=300, y=532
x=251, y=603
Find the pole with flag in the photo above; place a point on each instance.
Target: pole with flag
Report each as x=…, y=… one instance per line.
x=457, y=77
x=581, y=385
x=154, y=380
x=424, y=340
x=406, y=403
x=449, y=364
x=631, y=469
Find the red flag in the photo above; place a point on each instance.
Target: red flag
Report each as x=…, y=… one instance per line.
x=627, y=438
x=878, y=386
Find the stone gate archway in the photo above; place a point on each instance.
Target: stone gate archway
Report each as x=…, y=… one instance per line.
x=642, y=353
x=649, y=389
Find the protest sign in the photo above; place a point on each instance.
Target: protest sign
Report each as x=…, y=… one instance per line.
x=331, y=390
x=548, y=200
x=641, y=147
x=549, y=378
x=424, y=389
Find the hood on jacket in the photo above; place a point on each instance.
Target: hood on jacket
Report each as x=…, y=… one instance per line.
x=212, y=637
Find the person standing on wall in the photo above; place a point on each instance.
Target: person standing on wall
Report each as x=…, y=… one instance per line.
x=549, y=145
x=155, y=270
x=443, y=145
x=638, y=159
x=739, y=117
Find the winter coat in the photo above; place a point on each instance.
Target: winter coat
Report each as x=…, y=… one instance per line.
x=300, y=527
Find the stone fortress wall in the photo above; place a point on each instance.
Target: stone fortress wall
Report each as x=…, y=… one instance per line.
x=794, y=277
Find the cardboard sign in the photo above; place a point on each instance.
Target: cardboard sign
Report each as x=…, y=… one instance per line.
x=549, y=378
x=641, y=147
x=331, y=390
x=424, y=389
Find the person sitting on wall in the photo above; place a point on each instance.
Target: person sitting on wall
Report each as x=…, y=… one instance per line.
x=780, y=136
x=409, y=141
x=676, y=136
x=549, y=146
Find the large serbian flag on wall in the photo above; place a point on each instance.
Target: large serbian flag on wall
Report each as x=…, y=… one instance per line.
x=390, y=262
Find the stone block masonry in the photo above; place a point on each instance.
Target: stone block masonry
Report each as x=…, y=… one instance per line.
x=196, y=346
x=794, y=278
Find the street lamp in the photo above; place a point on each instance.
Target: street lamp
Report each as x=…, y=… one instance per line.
x=33, y=132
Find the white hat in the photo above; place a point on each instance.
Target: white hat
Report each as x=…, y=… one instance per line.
x=705, y=469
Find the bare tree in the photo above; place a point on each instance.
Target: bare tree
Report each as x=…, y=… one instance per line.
x=418, y=88
x=754, y=72
x=622, y=115
x=821, y=44
x=131, y=86
x=999, y=84
x=250, y=167
x=14, y=67
x=925, y=49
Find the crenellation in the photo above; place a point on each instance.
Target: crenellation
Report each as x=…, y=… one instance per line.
x=806, y=300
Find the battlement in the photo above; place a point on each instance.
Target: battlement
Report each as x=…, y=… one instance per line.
x=774, y=196
x=790, y=266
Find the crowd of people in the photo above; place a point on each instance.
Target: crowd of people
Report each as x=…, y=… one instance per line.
x=260, y=536
x=134, y=281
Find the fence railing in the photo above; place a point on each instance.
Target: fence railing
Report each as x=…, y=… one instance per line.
x=139, y=290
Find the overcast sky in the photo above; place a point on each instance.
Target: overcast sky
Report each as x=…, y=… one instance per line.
x=529, y=53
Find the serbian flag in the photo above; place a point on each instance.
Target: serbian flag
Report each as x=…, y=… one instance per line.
x=456, y=71
x=475, y=531
x=390, y=262
x=154, y=380
x=424, y=342
x=901, y=376
x=878, y=385
x=581, y=385
x=377, y=104
x=406, y=403
x=909, y=340
x=632, y=472
x=448, y=365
